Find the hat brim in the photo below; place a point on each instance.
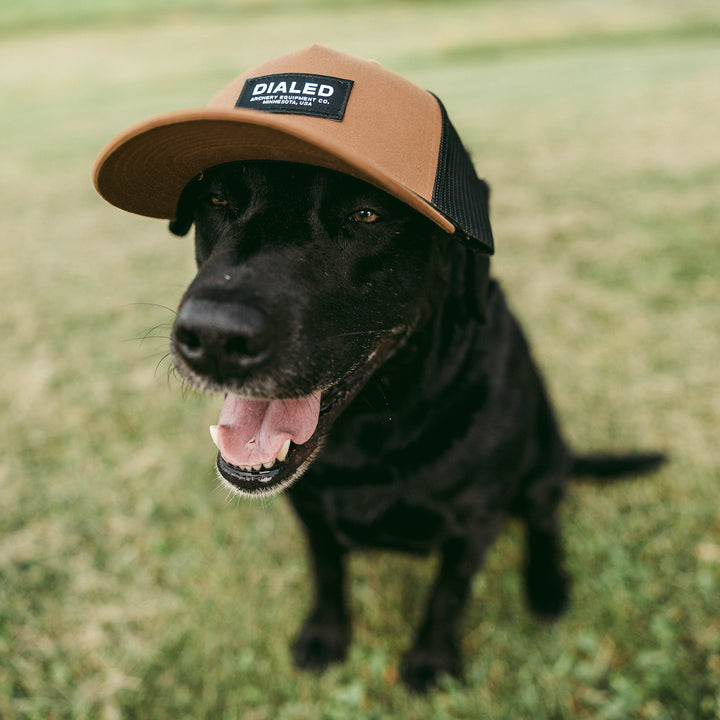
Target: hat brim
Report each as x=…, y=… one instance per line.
x=145, y=169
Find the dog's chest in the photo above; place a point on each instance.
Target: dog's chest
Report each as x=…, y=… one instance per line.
x=380, y=519
x=387, y=483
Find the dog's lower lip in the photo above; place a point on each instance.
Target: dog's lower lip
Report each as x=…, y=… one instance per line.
x=261, y=473
x=334, y=399
x=248, y=481
x=267, y=481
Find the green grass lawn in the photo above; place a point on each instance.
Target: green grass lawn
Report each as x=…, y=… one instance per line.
x=131, y=587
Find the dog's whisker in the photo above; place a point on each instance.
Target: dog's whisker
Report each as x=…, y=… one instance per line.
x=157, y=305
x=186, y=390
x=150, y=336
x=159, y=363
x=153, y=332
x=222, y=487
x=230, y=495
x=161, y=354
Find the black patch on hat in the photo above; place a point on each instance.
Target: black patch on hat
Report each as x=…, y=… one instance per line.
x=297, y=94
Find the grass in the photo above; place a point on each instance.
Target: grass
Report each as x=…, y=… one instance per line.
x=131, y=588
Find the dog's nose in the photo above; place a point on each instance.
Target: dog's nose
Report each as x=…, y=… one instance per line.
x=219, y=339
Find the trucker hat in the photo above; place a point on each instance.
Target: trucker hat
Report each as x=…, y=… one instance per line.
x=315, y=106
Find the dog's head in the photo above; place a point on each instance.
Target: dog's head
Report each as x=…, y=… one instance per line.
x=307, y=281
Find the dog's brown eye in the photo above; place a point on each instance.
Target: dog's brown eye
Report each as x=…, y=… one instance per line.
x=218, y=200
x=365, y=216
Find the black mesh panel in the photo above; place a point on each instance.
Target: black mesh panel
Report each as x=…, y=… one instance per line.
x=458, y=193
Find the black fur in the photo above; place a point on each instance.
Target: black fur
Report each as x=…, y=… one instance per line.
x=436, y=425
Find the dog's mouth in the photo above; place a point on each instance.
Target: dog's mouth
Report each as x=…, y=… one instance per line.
x=266, y=445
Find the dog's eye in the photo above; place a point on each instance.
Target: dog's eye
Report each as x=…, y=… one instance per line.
x=218, y=200
x=365, y=216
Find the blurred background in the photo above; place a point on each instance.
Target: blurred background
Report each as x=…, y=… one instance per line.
x=131, y=586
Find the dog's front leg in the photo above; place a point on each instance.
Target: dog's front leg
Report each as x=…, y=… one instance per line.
x=436, y=648
x=325, y=635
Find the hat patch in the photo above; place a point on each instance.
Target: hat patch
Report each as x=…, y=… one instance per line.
x=321, y=96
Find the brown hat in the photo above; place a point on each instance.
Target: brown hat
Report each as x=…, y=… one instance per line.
x=315, y=106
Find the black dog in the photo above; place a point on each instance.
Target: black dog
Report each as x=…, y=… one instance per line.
x=368, y=351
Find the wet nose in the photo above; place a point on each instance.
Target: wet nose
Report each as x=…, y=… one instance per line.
x=220, y=339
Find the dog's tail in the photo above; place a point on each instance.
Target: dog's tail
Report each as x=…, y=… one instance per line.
x=611, y=467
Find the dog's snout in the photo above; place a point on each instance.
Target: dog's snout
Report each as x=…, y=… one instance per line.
x=219, y=339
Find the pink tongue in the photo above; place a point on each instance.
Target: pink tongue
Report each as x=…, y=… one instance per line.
x=252, y=432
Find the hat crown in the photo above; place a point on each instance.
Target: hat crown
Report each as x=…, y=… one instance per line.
x=388, y=120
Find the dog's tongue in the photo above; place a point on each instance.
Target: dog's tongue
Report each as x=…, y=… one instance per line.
x=252, y=432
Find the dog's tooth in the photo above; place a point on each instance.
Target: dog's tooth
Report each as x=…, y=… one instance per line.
x=282, y=454
x=268, y=465
x=257, y=467
x=214, y=434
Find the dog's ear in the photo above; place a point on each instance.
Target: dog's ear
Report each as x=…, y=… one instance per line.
x=185, y=216
x=477, y=282
x=471, y=265
x=180, y=226
x=469, y=280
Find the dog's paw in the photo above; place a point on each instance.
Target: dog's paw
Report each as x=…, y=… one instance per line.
x=320, y=644
x=422, y=668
